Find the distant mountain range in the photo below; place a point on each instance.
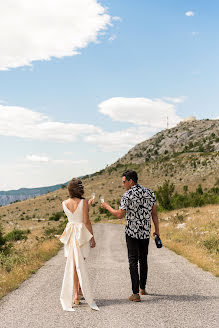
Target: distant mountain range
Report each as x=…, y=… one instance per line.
x=11, y=196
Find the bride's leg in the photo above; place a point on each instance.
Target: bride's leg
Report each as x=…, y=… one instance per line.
x=79, y=289
x=76, y=284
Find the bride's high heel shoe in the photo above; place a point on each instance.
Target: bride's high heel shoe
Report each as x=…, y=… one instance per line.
x=76, y=302
x=81, y=297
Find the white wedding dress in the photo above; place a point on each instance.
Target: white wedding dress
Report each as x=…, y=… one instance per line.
x=76, y=240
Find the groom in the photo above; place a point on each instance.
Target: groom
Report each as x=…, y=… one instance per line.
x=138, y=204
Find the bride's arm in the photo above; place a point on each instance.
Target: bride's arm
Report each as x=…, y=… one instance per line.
x=87, y=221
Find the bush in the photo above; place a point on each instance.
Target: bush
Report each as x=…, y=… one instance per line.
x=2, y=239
x=97, y=219
x=164, y=195
x=56, y=216
x=9, y=262
x=56, y=231
x=17, y=234
x=50, y=231
x=103, y=210
x=199, y=190
x=211, y=244
x=178, y=218
x=168, y=201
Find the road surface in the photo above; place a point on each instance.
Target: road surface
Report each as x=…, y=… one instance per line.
x=180, y=294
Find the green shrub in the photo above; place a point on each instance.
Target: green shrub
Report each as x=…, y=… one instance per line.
x=164, y=194
x=55, y=230
x=2, y=239
x=199, y=190
x=17, y=234
x=97, y=219
x=8, y=262
x=211, y=244
x=167, y=200
x=178, y=218
x=50, y=231
x=56, y=216
x=102, y=210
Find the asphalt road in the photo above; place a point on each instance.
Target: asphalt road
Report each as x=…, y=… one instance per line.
x=180, y=294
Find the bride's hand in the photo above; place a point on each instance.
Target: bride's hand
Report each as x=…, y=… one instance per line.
x=90, y=202
x=92, y=242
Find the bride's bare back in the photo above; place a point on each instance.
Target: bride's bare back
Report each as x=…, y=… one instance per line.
x=72, y=204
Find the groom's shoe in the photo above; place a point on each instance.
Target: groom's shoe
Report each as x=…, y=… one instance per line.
x=135, y=298
x=142, y=291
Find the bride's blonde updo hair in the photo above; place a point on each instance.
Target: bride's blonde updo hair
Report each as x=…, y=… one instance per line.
x=75, y=188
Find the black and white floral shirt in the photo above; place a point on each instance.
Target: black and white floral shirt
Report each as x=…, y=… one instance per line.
x=138, y=202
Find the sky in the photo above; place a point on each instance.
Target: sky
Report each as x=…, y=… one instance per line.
x=84, y=81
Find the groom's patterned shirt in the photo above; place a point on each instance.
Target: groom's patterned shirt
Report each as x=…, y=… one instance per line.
x=138, y=202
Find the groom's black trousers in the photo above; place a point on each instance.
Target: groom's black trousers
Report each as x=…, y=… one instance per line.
x=137, y=252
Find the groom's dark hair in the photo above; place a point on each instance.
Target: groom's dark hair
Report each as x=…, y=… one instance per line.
x=131, y=175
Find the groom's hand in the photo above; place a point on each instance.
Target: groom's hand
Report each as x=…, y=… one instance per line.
x=119, y=214
x=104, y=205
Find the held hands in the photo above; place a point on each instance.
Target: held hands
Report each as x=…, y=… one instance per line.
x=156, y=233
x=92, y=242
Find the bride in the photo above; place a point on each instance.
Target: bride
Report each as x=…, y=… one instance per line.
x=77, y=239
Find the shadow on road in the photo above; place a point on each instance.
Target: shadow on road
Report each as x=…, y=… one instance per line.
x=154, y=298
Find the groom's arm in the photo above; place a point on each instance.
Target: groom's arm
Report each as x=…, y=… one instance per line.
x=119, y=214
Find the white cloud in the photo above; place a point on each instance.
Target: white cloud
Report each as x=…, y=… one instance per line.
x=68, y=153
x=140, y=111
x=25, y=123
x=36, y=158
x=190, y=13
x=66, y=161
x=117, y=18
x=150, y=116
x=195, y=33
x=46, y=159
x=175, y=100
x=119, y=140
x=112, y=38
x=42, y=29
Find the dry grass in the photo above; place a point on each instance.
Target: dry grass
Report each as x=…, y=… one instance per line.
x=194, y=234
x=31, y=262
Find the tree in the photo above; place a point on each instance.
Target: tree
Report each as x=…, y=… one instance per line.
x=164, y=194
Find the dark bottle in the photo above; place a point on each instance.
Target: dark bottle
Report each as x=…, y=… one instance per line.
x=158, y=241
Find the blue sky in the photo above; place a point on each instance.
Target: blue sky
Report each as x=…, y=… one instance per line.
x=84, y=81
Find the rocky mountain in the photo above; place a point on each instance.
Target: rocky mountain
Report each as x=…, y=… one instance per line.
x=11, y=196
x=187, y=155
x=190, y=136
